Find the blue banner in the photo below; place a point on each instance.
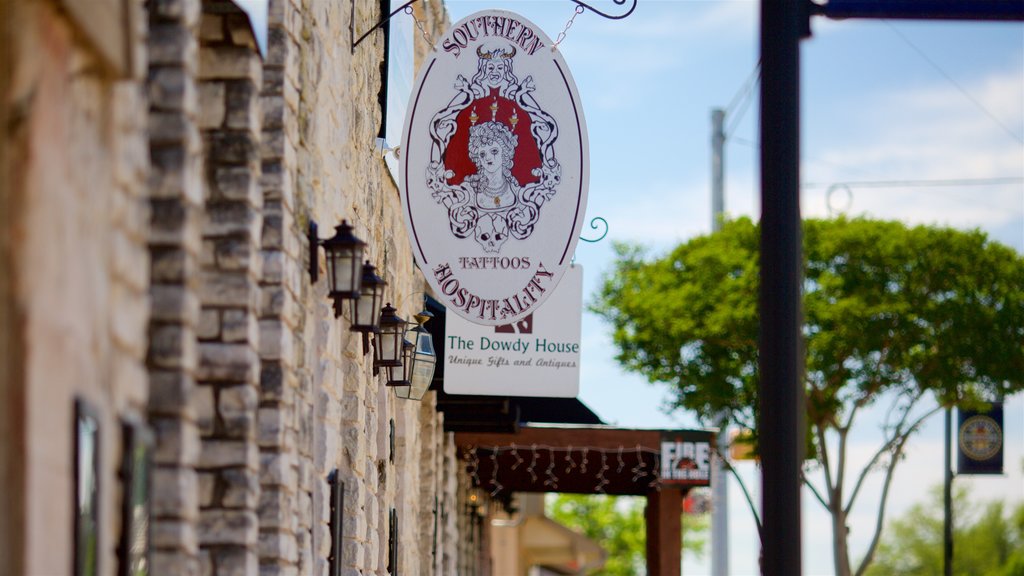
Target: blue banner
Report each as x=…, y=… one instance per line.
x=979, y=440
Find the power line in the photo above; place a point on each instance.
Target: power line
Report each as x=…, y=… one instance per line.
x=999, y=181
x=956, y=84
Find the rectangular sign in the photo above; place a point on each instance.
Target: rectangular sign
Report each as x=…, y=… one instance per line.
x=979, y=440
x=686, y=458
x=537, y=356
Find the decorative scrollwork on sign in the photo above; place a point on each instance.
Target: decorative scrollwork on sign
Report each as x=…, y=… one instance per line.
x=594, y=226
x=632, y=6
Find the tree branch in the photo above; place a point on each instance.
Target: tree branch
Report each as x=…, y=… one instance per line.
x=869, y=556
x=898, y=440
x=813, y=490
x=746, y=493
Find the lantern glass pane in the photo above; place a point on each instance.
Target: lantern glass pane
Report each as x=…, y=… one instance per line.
x=342, y=272
x=365, y=311
x=389, y=351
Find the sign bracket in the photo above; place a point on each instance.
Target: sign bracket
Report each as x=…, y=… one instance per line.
x=357, y=41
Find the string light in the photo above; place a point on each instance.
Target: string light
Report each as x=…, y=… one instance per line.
x=552, y=479
x=647, y=467
x=515, y=454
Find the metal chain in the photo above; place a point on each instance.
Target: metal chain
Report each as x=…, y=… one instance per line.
x=419, y=24
x=561, y=35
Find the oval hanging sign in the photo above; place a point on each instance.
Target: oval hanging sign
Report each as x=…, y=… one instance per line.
x=494, y=168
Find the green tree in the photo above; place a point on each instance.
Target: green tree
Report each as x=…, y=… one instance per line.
x=617, y=524
x=986, y=541
x=920, y=318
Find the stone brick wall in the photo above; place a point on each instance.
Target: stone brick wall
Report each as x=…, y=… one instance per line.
x=76, y=275
x=157, y=268
x=175, y=232
x=230, y=75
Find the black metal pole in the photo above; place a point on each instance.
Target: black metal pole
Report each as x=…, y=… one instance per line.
x=947, y=497
x=781, y=350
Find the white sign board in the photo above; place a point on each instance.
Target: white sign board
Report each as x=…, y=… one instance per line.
x=537, y=356
x=494, y=167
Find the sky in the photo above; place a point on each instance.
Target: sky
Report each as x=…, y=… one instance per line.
x=921, y=122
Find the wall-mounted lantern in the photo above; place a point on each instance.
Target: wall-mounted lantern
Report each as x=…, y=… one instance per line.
x=344, y=253
x=366, y=309
x=398, y=376
x=421, y=360
x=388, y=351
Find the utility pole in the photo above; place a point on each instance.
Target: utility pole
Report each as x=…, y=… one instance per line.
x=719, y=476
x=947, y=500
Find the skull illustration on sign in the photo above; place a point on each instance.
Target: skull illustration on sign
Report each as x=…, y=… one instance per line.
x=491, y=232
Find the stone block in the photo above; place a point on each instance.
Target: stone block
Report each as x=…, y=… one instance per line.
x=273, y=79
x=170, y=220
x=236, y=561
x=241, y=488
x=232, y=147
x=170, y=394
x=175, y=493
x=270, y=426
x=279, y=47
x=207, y=489
x=173, y=304
x=205, y=406
x=279, y=546
x=237, y=411
x=171, y=265
x=228, y=453
x=232, y=218
x=175, y=171
x=272, y=111
x=235, y=254
x=240, y=326
x=172, y=346
x=171, y=88
x=278, y=469
x=209, y=324
x=272, y=378
x=211, y=28
x=227, y=62
x=273, y=266
x=173, y=562
x=185, y=12
x=227, y=527
x=167, y=127
x=174, y=535
x=240, y=31
x=243, y=106
x=228, y=289
x=278, y=570
x=171, y=44
x=273, y=145
x=276, y=342
x=208, y=254
x=275, y=507
x=177, y=441
x=227, y=363
x=212, y=105
x=239, y=183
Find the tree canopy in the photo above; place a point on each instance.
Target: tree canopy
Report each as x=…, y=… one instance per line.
x=617, y=524
x=987, y=540
x=908, y=315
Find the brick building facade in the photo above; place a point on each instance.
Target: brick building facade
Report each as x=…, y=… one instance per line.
x=159, y=173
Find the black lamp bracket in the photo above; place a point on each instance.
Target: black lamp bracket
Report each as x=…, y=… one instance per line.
x=584, y=5
x=314, y=257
